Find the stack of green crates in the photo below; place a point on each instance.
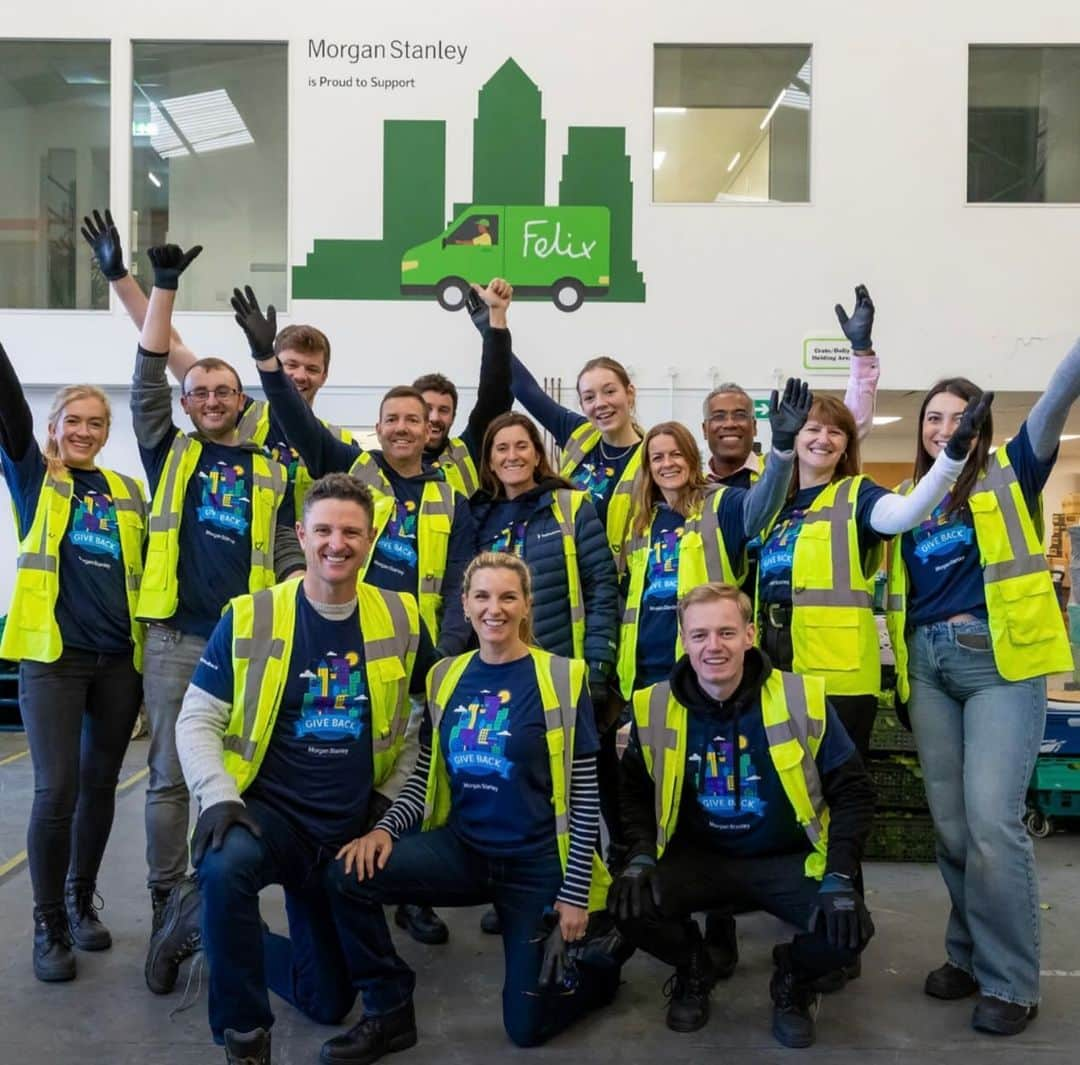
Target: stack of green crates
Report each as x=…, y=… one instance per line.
x=903, y=830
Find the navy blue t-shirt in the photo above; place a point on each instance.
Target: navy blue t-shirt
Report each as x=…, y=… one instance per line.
x=733, y=800
x=778, y=551
x=658, y=624
x=395, y=557
x=945, y=573
x=506, y=524
x=493, y=741
x=277, y=446
x=91, y=607
x=318, y=768
x=599, y=474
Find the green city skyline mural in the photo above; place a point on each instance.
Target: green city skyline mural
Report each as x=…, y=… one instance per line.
x=577, y=250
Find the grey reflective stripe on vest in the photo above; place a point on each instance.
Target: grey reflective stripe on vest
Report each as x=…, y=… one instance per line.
x=998, y=480
x=800, y=727
x=40, y=559
x=396, y=646
x=168, y=519
x=659, y=738
x=249, y=421
x=263, y=557
x=573, y=451
x=896, y=602
x=562, y=505
x=366, y=470
x=435, y=712
x=708, y=526
x=565, y=719
x=838, y=514
x=640, y=542
x=430, y=582
x=459, y=457
x=135, y=503
x=257, y=649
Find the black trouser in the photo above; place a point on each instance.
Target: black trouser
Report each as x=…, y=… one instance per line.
x=611, y=713
x=78, y=713
x=690, y=880
x=856, y=712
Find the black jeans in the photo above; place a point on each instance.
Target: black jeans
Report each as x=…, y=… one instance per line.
x=78, y=713
x=691, y=880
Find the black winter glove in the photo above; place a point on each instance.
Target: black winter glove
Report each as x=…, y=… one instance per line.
x=260, y=329
x=847, y=920
x=214, y=824
x=788, y=415
x=971, y=421
x=626, y=895
x=104, y=240
x=860, y=325
x=478, y=311
x=557, y=972
x=169, y=262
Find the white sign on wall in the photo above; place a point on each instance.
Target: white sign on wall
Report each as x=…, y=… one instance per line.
x=826, y=355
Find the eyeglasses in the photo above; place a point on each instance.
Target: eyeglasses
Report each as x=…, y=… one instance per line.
x=201, y=395
x=740, y=417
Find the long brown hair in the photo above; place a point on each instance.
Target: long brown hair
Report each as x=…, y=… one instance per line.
x=831, y=411
x=979, y=458
x=70, y=394
x=544, y=472
x=502, y=560
x=647, y=492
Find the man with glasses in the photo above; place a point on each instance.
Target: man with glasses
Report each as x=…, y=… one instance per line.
x=218, y=502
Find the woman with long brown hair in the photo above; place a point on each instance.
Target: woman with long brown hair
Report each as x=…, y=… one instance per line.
x=72, y=628
x=976, y=629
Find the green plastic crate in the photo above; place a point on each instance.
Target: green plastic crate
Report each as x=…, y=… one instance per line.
x=888, y=735
x=898, y=782
x=901, y=837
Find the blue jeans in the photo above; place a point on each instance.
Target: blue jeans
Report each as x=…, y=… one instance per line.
x=335, y=947
x=437, y=869
x=978, y=736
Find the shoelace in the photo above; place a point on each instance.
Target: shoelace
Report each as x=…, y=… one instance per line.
x=88, y=903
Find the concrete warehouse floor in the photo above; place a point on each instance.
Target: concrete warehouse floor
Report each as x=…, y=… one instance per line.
x=107, y=1016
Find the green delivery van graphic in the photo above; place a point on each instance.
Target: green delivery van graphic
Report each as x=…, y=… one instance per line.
x=564, y=252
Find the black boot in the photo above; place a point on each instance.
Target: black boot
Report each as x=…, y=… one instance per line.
x=795, y=1005
x=53, y=959
x=372, y=1037
x=176, y=938
x=999, y=1017
x=423, y=924
x=490, y=922
x=159, y=899
x=86, y=928
x=247, y=1048
x=687, y=993
x=723, y=943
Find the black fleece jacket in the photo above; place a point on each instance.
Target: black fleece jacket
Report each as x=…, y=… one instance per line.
x=847, y=789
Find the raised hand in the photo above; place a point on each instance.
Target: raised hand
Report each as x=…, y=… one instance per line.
x=104, y=240
x=788, y=415
x=169, y=262
x=860, y=325
x=971, y=421
x=260, y=329
x=497, y=294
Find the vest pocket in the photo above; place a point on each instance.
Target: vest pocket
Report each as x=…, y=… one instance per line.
x=1029, y=606
x=826, y=639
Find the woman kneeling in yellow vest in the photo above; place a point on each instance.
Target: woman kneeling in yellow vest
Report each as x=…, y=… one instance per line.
x=72, y=628
x=975, y=628
x=505, y=786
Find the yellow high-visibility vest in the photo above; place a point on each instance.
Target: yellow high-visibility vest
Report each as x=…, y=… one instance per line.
x=458, y=466
x=793, y=712
x=254, y=425
x=560, y=681
x=703, y=557
x=578, y=447
x=434, y=522
x=264, y=626
x=160, y=590
x=31, y=631
x=1026, y=628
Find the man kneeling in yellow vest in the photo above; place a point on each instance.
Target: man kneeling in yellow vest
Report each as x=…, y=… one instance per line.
x=291, y=738
x=740, y=789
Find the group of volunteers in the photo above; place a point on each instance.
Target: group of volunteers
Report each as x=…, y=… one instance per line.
x=400, y=676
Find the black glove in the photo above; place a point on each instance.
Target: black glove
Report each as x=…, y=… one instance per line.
x=478, y=311
x=971, y=421
x=169, y=262
x=214, y=824
x=104, y=239
x=260, y=329
x=860, y=325
x=788, y=415
x=847, y=921
x=555, y=968
x=627, y=892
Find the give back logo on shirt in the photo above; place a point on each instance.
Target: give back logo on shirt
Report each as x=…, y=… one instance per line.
x=594, y=478
x=715, y=772
x=288, y=456
x=398, y=539
x=478, y=736
x=511, y=540
x=93, y=525
x=225, y=502
x=334, y=703
x=778, y=553
x=942, y=534
x=663, y=578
